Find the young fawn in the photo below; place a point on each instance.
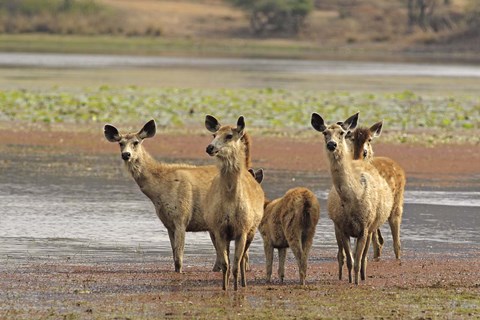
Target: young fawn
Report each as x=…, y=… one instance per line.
x=290, y=222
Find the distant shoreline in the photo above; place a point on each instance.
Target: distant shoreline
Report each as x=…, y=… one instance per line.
x=229, y=48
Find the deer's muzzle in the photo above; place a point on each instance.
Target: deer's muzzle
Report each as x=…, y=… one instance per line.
x=126, y=155
x=211, y=149
x=331, y=145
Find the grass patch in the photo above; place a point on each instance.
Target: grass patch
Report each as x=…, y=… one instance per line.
x=161, y=46
x=412, y=117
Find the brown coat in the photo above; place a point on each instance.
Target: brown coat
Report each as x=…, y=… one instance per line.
x=360, y=200
x=393, y=174
x=177, y=191
x=290, y=222
x=234, y=203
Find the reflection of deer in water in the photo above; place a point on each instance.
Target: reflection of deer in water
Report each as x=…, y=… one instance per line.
x=393, y=174
x=234, y=203
x=176, y=190
x=360, y=199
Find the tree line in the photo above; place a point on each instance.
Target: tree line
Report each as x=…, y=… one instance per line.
x=267, y=16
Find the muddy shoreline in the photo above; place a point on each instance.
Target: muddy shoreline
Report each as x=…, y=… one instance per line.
x=443, y=165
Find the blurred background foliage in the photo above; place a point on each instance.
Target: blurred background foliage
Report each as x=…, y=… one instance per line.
x=337, y=21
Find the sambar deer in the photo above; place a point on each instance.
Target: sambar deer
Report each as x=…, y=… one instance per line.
x=393, y=174
x=176, y=190
x=360, y=200
x=290, y=222
x=234, y=203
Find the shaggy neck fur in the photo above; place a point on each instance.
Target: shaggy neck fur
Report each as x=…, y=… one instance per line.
x=141, y=166
x=231, y=165
x=344, y=179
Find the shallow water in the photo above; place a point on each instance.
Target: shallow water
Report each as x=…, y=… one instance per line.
x=47, y=216
x=290, y=66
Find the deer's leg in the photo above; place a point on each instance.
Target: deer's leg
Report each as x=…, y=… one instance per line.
x=361, y=242
x=363, y=265
x=179, y=238
x=244, y=261
x=306, y=246
x=394, y=221
x=240, y=245
x=341, y=253
x=348, y=254
x=282, y=256
x=268, y=248
x=247, y=260
x=377, y=243
x=222, y=258
x=298, y=253
x=171, y=236
x=216, y=266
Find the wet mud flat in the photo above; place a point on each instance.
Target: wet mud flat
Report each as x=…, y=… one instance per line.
x=424, y=286
x=79, y=240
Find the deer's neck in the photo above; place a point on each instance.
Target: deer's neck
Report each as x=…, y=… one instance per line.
x=231, y=168
x=343, y=175
x=142, y=167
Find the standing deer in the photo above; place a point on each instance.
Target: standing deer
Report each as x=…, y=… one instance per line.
x=360, y=200
x=289, y=222
x=176, y=190
x=234, y=202
x=393, y=174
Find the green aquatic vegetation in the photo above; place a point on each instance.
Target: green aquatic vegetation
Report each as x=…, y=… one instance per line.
x=269, y=109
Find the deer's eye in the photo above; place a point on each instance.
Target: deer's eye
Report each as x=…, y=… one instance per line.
x=122, y=144
x=229, y=137
x=135, y=143
x=342, y=133
x=214, y=135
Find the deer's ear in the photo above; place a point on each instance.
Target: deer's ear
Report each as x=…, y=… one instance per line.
x=350, y=123
x=148, y=130
x=376, y=129
x=318, y=123
x=259, y=175
x=211, y=123
x=240, y=125
x=111, y=133
x=349, y=135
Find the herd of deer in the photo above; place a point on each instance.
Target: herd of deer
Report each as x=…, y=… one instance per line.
x=227, y=200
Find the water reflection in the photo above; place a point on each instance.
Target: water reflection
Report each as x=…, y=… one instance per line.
x=102, y=218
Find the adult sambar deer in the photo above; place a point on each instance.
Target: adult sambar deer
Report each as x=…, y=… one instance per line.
x=360, y=200
x=393, y=174
x=176, y=190
x=234, y=203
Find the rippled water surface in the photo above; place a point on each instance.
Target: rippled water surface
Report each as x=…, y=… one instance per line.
x=101, y=218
